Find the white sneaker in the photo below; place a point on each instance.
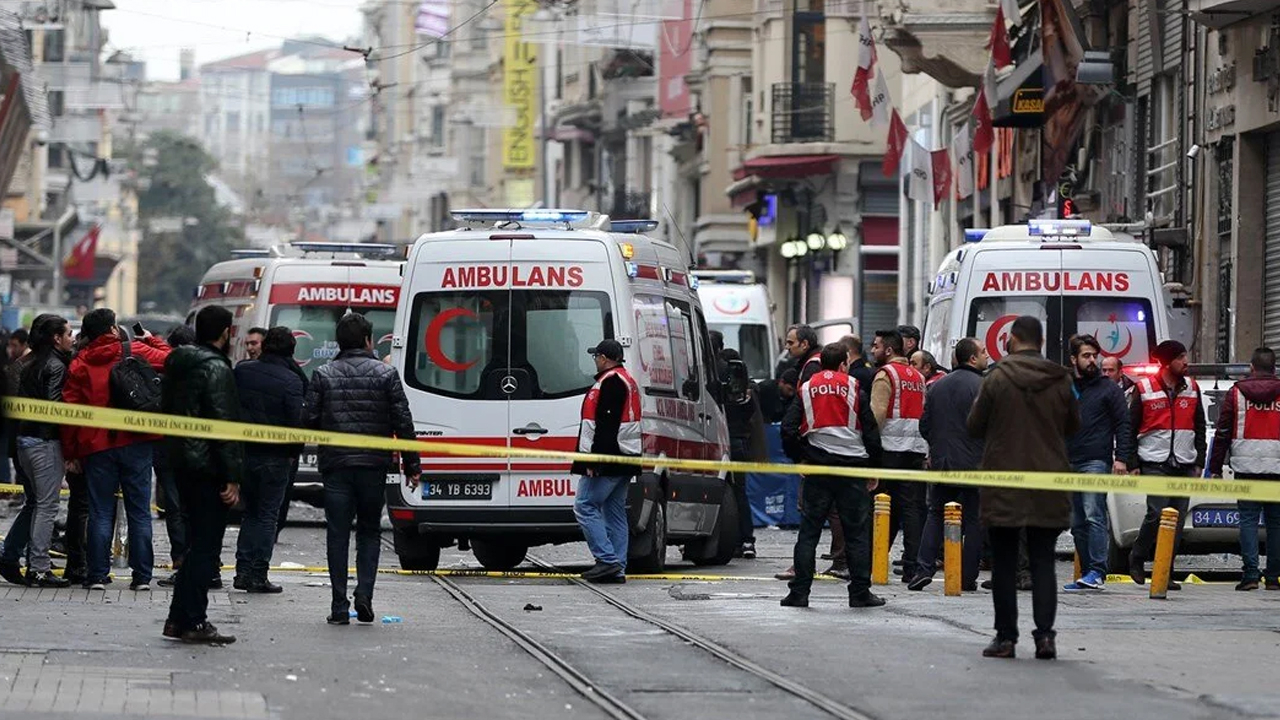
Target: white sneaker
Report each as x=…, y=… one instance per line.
x=98, y=586
x=140, y=587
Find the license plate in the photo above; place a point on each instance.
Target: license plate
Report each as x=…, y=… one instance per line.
x=469, y=487
x=1207, y=517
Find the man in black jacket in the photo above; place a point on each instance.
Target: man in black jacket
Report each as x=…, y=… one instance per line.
x=1100, y=447
x=945, y=426
x=357, y=393
x=270, y=394
x=610, y=426
x=198, y=382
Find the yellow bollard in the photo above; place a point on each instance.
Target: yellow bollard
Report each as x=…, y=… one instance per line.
x=1075, y=572
x=880, y=542
x=1163, y=564
x=952, y=539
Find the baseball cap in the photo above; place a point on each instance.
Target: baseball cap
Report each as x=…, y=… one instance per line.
x=611, y=349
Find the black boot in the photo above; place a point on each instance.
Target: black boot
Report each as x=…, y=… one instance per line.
x=795, y=599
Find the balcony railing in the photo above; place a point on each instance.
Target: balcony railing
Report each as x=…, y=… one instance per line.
x=803, y=112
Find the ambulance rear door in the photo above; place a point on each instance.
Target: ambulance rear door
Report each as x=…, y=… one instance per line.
x=558, y=308
x=1007, y=283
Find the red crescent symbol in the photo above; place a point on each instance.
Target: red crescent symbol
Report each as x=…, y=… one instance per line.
x=1123, y=351
x=732, y=305
x=434, y=349
x=995, y=348
x=307, y=335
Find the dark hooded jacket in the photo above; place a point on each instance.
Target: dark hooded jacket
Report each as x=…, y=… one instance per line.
x=41, y=379
x=1025, y=411
x=1104, y=422
x=270, y=394
x=1258, y=388
x=198, y=382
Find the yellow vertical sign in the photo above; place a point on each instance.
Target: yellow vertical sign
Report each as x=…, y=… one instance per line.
x=519, y=89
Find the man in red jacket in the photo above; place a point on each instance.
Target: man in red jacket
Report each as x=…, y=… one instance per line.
x=112, y=460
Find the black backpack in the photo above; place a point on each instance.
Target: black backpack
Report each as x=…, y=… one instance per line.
x=134, y=384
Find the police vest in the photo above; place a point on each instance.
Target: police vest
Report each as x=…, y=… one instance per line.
x=815, y=360
x=830, y=401
x=901, y=430
x=628, y=430
x=1167, y=428
x=1255, y=444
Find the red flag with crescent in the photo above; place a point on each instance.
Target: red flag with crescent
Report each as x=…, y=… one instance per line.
x=78, y=264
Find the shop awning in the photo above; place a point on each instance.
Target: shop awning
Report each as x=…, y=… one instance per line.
x=776, y=167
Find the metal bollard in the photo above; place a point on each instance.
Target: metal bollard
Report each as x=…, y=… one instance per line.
x=1163, y=564
x=952, y=539
x=880, y=542
x=1075, y=572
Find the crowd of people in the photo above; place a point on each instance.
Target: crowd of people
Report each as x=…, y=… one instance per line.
x=189, y=373
x=1023, y=413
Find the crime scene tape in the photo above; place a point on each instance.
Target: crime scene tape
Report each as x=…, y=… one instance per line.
x=182, y=426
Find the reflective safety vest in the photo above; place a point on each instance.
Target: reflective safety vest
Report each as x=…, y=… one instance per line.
x=1167, y=429
x=629, y=429
x=815, y=360
x=830, y=400
x=901, y=430
x=1255, y=445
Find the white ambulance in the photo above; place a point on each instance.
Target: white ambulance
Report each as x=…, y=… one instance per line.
x=491, y=337
x=739, y=308
x=308, y=287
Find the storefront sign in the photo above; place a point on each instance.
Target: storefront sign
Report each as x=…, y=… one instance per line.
x=519, y=89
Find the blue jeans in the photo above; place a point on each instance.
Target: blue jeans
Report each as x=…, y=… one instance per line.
x=265, y=480
x=1089, y=521
x=601, y=509
x=15, y=541
x=127, y=470
x=1250, y=513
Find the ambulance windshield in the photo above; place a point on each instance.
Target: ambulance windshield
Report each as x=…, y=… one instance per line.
x=464, y=344
x=1124, y=327
x=315, y=327
x=751, y=340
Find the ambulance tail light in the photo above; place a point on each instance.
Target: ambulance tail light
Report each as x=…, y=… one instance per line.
x=1062, y=246
x=1148, y=370
x=401, y=514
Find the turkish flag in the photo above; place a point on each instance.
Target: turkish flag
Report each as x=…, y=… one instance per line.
x=941, y=174
x=984, y=134
x=79, y=262
x=998, y=43
x=897, y=144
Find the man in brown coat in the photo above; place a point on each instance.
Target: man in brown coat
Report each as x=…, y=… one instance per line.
x=1024, y=413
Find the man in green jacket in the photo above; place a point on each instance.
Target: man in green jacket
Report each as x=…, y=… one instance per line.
x=199, y=382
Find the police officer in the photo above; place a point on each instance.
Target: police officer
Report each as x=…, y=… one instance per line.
x=610, y=426
x=1167, y=420
x=832, y=425
x=897, y=399
x=1249, y=430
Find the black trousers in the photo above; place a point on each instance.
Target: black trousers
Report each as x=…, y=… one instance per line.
x=931, y=540
x=175, y=527
x=1004, y=579
x=77, y=524
x=353, y=493
x=850, y=499
x=746, y=524
x=288, y=497
x=205, y=516
x=907, y=513
x=1144, y=544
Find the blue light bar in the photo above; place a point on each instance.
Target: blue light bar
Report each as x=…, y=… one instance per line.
x=632, y=226
x=250, y=253
x=341, y=247
x=520, y=216
x=1059, y=228
x=975, y=234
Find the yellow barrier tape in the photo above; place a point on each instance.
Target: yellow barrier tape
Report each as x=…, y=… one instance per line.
x=157, y=424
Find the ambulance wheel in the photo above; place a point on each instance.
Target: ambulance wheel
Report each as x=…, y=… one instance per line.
x=497, y=554
x=719, y=548
x=416, y=551
x=651, y=545
x=1117, y=558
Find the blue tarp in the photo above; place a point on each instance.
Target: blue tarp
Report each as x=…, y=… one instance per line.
x=774, y=497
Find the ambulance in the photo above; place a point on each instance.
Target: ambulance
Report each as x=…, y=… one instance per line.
x=491, y=338
x=739, y=308
x=308, y=287
x=1075, y=277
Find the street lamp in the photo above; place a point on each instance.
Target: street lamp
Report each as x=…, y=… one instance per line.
x=788, y=249
x=836, y=241
x=815, y=241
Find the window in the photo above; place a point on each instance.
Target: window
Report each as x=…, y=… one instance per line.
x=748, y=111
x=57, y=102
x=315, y=328
x=936, y=326
x=462, y=344
x=1124, y=327
x=752, y=342
x=667, y=340
x=477, y=157
x=233, y=123
x=437, y=126
x=683, y=348
x=55, y=45
x=587, y=164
